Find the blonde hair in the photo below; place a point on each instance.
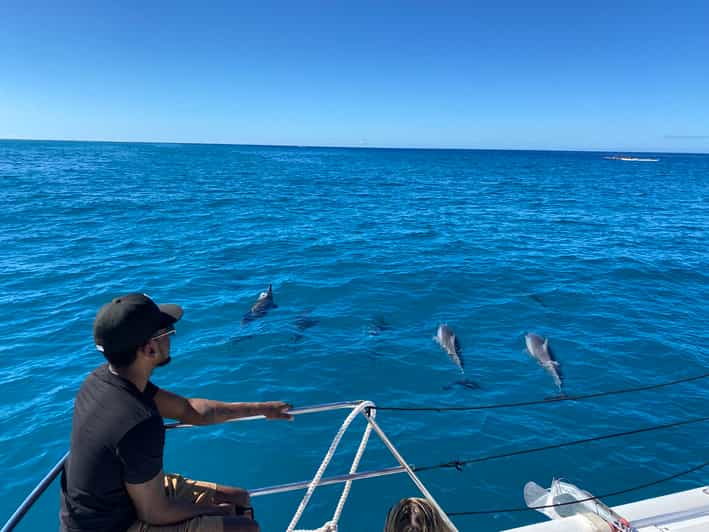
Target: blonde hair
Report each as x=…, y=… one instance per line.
x=414, y=515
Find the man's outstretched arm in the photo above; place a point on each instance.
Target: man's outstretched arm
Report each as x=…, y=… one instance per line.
x=208, y=412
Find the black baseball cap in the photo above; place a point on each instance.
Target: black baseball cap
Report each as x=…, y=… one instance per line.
x=128, y=322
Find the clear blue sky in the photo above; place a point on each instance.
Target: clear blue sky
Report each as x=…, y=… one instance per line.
x=570, y=74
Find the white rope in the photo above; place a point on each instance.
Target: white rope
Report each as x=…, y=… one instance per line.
x=331, y=526
x=353, y=469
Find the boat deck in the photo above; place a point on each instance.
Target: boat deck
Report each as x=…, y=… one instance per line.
x=685, y=511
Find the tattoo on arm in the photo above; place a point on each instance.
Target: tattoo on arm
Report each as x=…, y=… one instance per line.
x=212, y=412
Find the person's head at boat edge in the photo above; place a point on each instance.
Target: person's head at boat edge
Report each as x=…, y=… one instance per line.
x=414, y=514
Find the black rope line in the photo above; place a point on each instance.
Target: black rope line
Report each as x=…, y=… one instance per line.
x=595, y=498
x=458, y=464
x=548, y=400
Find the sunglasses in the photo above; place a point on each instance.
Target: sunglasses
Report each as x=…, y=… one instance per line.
x=163, y=332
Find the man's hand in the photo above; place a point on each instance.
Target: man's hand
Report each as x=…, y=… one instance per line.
x=276, y=410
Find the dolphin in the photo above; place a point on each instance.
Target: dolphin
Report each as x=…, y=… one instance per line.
x=377, y=326
x=539, y=348
x=304, y=321
x=263, y=304
x=447, y=339
x=539, y=300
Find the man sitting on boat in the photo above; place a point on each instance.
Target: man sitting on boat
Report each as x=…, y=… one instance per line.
x=113, y=479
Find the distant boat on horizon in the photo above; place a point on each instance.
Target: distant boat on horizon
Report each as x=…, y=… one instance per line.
x=629, y=158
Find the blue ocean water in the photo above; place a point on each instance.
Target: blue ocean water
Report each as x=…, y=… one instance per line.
x=368, y=251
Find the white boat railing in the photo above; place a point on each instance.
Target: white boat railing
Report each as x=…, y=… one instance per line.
x=366, y=409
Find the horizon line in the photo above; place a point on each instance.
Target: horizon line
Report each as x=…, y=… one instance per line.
x=319, y=146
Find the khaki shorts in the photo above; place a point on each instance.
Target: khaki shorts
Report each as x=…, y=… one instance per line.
x=180, y=488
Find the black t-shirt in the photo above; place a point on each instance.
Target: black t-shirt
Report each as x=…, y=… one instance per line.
x=117, y=436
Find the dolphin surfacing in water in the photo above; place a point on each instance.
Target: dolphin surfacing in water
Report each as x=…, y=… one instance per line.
x=538, y=347
x=447, y=339
x=263, y=304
